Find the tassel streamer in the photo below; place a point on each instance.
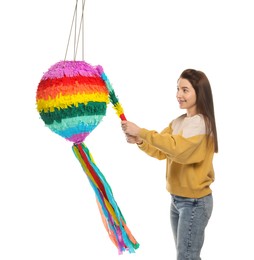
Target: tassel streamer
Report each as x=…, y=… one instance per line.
x=111, y=215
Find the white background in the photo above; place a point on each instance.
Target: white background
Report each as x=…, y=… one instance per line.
x=47, y=206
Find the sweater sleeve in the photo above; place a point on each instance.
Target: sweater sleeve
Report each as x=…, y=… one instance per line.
x=185, y=146
x=152, y=150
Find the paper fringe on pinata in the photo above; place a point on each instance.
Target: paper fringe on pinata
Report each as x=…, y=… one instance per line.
x=72, y=99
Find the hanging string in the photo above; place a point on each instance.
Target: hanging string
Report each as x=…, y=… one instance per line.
x=74, y=16
x=75, y=32
x=83, y=30
x=80, y=27
x=76, y=38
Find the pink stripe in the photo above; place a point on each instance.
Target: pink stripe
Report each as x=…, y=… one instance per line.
x=71, y=69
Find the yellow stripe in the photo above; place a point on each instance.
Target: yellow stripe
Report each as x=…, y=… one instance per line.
x=119, y=109
x=62, y=102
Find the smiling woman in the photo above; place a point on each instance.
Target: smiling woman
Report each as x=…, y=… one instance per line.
x=188, y=145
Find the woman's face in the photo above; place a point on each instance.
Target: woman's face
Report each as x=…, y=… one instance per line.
x=186, y=96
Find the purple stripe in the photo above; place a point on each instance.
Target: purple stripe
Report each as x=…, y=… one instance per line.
x=78, y=138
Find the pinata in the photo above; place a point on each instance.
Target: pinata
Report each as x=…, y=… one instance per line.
x=72, y=98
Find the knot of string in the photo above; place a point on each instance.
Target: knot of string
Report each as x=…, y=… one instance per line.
x=77, y=31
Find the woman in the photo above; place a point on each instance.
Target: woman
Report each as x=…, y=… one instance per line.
x=188, y=145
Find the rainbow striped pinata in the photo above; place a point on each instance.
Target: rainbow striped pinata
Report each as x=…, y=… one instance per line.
x=72, y=99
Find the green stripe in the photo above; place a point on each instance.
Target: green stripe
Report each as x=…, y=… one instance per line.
x=92, y=108
x=112, y=97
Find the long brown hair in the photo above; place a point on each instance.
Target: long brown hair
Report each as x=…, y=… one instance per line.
x=204, y=102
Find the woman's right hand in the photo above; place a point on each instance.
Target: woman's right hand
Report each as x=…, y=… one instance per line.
x=133, y=139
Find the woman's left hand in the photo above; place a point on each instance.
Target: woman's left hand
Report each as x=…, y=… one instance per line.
x=130, y=128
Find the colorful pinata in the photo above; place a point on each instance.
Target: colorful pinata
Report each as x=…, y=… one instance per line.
x=72, y=98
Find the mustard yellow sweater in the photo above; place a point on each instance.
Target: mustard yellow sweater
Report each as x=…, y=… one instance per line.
x=189, y=167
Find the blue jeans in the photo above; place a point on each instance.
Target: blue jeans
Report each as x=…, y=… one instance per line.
x=189, y=218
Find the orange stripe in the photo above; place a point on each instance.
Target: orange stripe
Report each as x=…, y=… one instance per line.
x=46, y=91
